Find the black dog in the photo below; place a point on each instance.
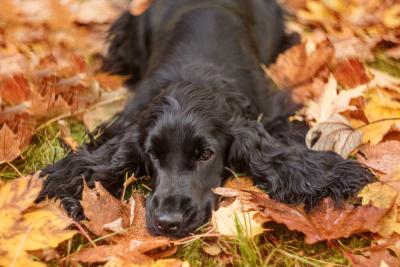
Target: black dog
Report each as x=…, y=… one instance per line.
x=202, y=104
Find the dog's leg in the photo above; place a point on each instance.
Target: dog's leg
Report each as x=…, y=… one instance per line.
x=294, y=174
x=108, y=164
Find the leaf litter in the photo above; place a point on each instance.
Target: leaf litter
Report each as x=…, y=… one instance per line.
x=344, y=72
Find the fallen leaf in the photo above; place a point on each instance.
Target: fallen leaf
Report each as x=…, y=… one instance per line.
x=350, y=73
x=295, y=66
x=382, y=196
x=14, y=90
x=112, y=103
x=381, y=258
x=211, y=249
x=234, y=221
x=95, y=11
x=327, y=222
x=332, y=102
x=383, y=157
x=138, y=7
x=9, y=145
x=27, y=227
x=391, y=16
x=383, y=112
x=335, y=134
x=100, y=208
x=128, y=220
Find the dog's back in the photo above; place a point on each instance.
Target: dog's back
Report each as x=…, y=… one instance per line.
x=217, y=30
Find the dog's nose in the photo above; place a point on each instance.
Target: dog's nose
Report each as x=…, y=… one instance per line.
x=169, y=222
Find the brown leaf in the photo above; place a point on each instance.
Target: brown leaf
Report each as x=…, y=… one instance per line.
x=14, y=89
x=296, y=66
x=350, y=73
x=377, y=258
x=103, y=254
x=100, y=208
x=104, y=211
x=384, y=157
x=9, y=145
x=326, y=223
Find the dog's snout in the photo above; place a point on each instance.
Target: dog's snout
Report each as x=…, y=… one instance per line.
x=169, y=222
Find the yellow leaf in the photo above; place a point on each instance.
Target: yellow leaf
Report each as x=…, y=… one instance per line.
x=25, y=226
x=233, y=220
x=378, y=194
x=373, y=133
x=336, y=5
x=391, y=16
x=383, y=112
x=48, y=226
x=15, y=197
x=382, y=196
x=317, y=12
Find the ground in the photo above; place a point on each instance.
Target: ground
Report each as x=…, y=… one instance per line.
x=345, y=71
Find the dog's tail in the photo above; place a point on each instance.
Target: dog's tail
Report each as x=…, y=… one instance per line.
x=127, y=53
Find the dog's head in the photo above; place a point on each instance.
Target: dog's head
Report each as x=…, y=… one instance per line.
x=187, y=142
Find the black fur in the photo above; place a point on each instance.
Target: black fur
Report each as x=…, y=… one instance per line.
x=202, y=104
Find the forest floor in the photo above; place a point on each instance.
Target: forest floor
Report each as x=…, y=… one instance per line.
x=345, y=71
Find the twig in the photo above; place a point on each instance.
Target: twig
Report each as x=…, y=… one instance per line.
x=85, y=234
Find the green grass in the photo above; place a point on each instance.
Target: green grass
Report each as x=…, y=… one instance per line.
x=277, y=247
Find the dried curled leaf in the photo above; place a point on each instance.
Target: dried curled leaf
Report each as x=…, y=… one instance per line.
x=335, y=134
x=234, y=220
x=26, y=227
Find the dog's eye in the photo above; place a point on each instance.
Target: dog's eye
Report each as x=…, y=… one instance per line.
x=206, y=155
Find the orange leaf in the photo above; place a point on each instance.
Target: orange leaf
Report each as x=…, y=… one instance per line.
x=350, y=73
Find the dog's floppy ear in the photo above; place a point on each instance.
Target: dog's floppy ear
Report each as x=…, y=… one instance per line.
x=127, y=53
x=293, y=174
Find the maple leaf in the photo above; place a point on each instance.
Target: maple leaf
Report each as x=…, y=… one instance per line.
x=327, y=222
x=331, y=102
x=296, y=66
x=106, y=214
x=334, y=134
x=9, y=145
x=383, y=112
x=100, y=208
x=25, y=226
x=383, y=157
x=14, y=90
x=12, y=144
x=382, y=196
